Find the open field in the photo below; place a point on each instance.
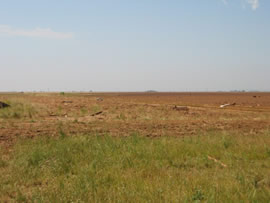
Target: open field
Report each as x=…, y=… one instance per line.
x=149, y=114
x=135, y=147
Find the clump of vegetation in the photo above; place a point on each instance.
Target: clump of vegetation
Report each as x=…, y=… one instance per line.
x=84, y=111
x=18, y=110
x=91, y=168
x=121, y=116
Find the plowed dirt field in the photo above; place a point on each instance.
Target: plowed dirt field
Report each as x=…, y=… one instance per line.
x=123, y=114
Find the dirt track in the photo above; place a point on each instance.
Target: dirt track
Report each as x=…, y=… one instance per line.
x=149, y=114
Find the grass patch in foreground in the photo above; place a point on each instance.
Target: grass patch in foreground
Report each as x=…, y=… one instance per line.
x=138, y=169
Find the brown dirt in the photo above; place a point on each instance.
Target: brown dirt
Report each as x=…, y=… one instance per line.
x=149, y=114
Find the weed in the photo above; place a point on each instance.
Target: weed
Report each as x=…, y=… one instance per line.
x=197, y=195
x=226, y=143
x=62, y=134
x=84, y=111
x=36, y=157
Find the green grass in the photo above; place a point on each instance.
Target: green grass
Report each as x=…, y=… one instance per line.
x=92, y=168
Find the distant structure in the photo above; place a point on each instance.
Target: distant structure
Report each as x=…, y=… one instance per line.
x=151, y=91
x=238, y=91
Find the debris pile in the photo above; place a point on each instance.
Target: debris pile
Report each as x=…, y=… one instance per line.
x=180, y=108
x=225, y=105
x=99, y=99
x=67, y=102
x=3, y=105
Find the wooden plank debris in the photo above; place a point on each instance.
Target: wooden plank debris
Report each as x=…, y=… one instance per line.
x=97, y=113
x=217, y=161
x=225, y=105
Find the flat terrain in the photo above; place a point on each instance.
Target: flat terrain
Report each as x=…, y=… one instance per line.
x=149, y=114
x=135, y=147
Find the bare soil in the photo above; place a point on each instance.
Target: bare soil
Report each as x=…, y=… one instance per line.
x=147, y=114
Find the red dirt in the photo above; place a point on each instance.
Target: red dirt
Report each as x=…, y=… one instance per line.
x=149, y=114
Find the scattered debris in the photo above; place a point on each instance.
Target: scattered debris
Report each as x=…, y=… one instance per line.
x=225, y=105
x=181, y=108
x=67, y=102
x=3, y=105
x=99, y=99
x=97, y=113
x=153, y=105
x=217, y=161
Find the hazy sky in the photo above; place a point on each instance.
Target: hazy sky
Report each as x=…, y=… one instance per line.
x=134, y=45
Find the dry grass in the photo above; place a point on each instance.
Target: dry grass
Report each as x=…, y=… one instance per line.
x=21, y=109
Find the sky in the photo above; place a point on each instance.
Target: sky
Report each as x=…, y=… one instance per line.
x=134, y=45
